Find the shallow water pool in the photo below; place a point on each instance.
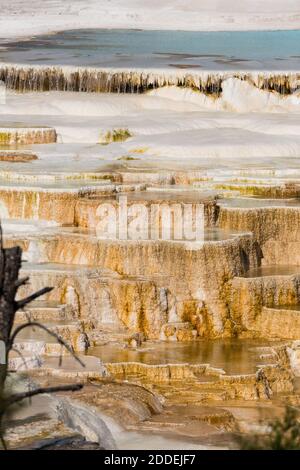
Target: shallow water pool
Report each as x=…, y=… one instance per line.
x=233, y=355
x=266, y=50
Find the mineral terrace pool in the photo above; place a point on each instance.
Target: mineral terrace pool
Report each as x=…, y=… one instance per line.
x=261, y=50
x=234, y=356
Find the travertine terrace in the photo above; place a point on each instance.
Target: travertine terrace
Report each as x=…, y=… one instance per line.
x=175, y=330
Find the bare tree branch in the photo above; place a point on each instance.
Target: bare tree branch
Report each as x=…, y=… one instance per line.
x=38, y=391
x=21, y=282
x=21, y=356
x=30, y=298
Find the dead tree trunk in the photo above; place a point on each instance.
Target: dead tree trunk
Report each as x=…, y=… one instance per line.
x=10, y=265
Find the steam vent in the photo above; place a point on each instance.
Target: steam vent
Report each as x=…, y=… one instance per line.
x=161, y=201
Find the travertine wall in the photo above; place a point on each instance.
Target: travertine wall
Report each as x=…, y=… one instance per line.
x=277, y=230
x=251, y=300
x=152, y=282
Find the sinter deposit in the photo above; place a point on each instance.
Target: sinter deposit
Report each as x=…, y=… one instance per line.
x=184, y=340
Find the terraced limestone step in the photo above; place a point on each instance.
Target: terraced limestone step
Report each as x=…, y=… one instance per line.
x=161, y=372
x=234, y=387
x=45, y=311
x=280, y=322
x=200, y=391
x=90, y=368
x=268, y=287
x=33, y=338
x=274, y=223
x=199, y=398
x=202, y=383
x=173, y=200
x=179, y=415
x=272, y=189
x=39, y=430
x=16, y=156
x=110, y=333
x=109, y=299
x=25, y=135
x=25, y=360
x=136, y=293
x=62, y=366
x=53, y=201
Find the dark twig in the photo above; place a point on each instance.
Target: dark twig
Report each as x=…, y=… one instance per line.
x=21, y=356
x=21, y=282
x=30, y=298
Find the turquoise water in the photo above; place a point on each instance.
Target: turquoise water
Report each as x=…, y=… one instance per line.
x=278, y=50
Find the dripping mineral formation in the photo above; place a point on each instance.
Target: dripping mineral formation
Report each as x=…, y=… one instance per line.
x=41, y=78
